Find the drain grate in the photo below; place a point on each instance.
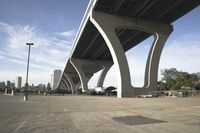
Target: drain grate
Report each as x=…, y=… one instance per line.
x=136, y=120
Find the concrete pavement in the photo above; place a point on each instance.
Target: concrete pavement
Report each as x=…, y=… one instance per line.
x=93, y=114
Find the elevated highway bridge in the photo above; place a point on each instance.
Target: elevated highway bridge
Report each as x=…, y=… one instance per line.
x=110, y=28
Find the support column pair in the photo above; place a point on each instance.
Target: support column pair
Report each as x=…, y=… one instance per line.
x=62, y=85
x=106, y=24
x=71, y=82
x=87, y=68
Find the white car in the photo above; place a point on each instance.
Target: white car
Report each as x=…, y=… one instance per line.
x=99, y=90
x=145, y=96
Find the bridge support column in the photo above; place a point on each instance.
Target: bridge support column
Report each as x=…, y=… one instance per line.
x=77, y=85
x=71, y=82
x=103, y=75
x=84, y=77
x=62, y=85
x=152, y=64
x=66, y=84
x=106, y=24
x=87, y=68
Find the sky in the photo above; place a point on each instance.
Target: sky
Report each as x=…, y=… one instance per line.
x=52, y=25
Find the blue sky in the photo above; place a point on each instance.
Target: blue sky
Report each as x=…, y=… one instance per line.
x=52, y=26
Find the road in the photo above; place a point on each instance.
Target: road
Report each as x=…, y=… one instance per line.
x=96, y=114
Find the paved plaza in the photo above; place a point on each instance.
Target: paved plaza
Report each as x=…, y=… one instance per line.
x=96, y=114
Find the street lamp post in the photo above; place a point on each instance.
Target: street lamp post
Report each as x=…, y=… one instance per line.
x=52, y=81
x=27, y=70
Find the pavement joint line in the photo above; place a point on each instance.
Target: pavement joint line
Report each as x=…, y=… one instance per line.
x=20, y=126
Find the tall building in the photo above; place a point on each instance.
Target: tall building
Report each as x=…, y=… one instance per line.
x=18, y=82
x=2, y=86
x=56, y=77
x=8, y=84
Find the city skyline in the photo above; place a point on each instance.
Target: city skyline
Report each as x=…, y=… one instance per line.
x=53, y=32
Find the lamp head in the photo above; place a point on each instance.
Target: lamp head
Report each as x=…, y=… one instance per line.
x=29, y=43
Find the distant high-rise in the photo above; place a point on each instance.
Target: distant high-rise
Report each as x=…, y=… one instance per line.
x=2, y=86
x=8, y=84
x=18, y=82
x=56, y=77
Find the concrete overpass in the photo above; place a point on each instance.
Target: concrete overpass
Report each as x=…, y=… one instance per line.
x=110, y=28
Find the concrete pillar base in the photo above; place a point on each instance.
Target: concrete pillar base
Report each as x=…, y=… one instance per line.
x=6, y=91
x=12, y=92
x=25, y=98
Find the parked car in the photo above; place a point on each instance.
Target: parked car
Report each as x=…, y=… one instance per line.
x=110, y=90
x=97, y=91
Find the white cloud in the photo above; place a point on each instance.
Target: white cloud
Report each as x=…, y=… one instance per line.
x=62, y=44
x=45, y=48
x=47, y=53
x=183, y=54
x=32, y=65
x=1, y=57
x=68, y=34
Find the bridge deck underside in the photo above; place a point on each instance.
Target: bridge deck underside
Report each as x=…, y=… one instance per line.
x=91, y=45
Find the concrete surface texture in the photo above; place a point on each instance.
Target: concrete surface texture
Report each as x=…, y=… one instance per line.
x=86, y=114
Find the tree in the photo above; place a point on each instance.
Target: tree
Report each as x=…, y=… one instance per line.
x=174, y=80
x=168, y=81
